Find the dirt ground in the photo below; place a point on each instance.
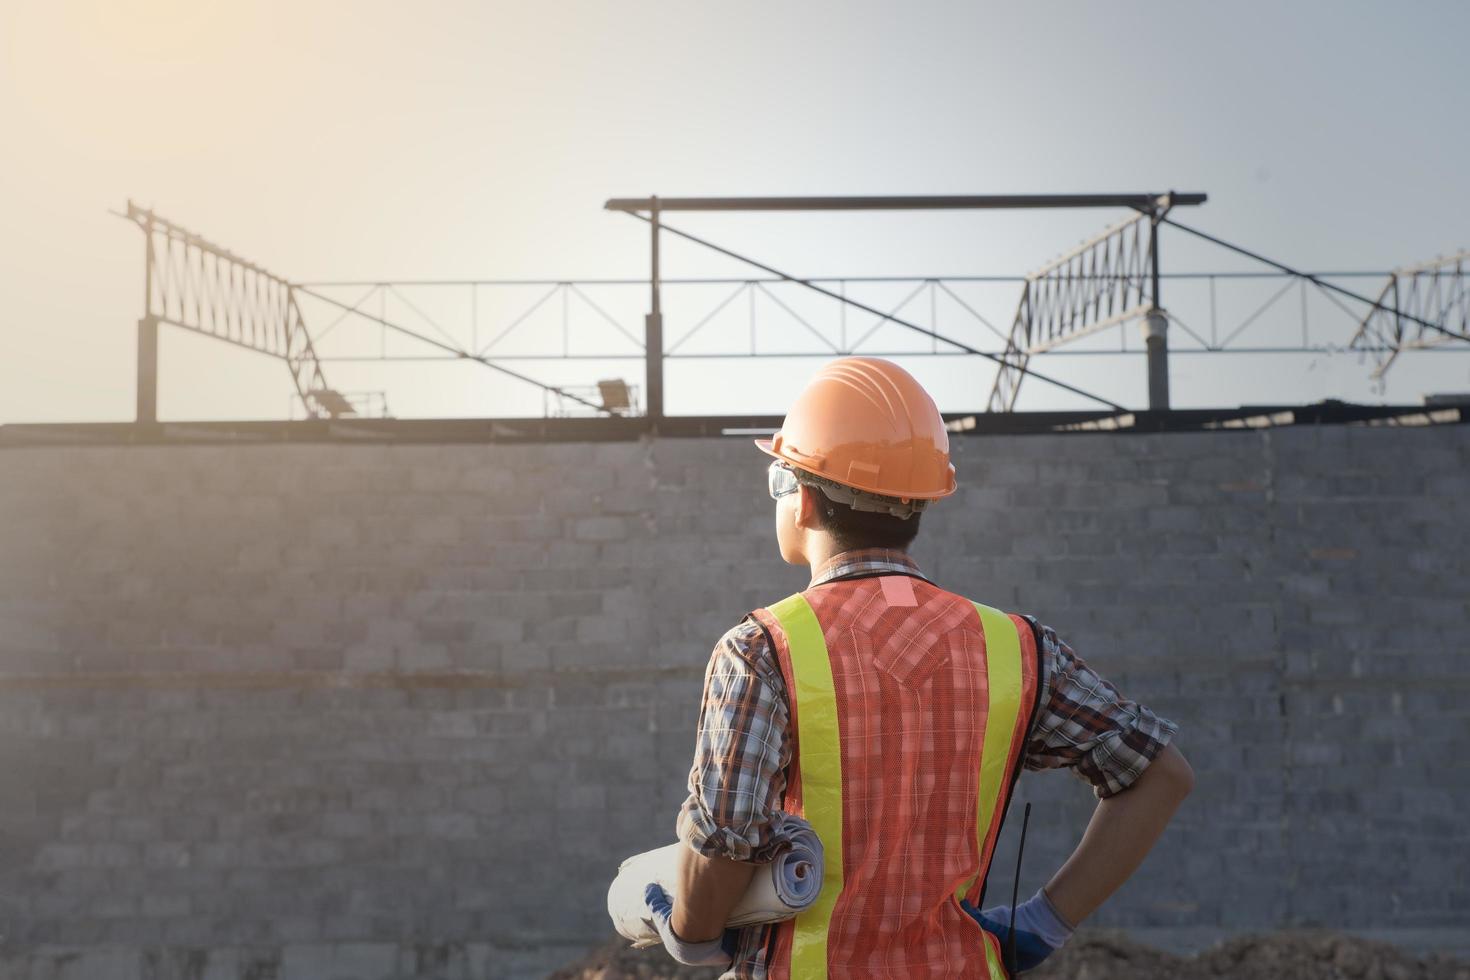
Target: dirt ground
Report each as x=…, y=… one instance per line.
x=1104, y=956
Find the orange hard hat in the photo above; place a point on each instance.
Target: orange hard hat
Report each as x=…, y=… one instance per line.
x=866, y=423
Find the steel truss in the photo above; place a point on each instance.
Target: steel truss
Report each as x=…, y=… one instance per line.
x=1108, y=280
x=1056, y=291
x=1436, y=297
x=194, y=284
x=739, y=306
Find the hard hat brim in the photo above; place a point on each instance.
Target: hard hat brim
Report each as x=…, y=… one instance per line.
x=768, y=446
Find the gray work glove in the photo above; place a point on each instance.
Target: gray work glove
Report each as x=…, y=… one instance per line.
x=714, y=952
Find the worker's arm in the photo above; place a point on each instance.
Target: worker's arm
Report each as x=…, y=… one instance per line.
x=709, y=888
x=1125, y=751
x=1123, y=829
x=735, y=786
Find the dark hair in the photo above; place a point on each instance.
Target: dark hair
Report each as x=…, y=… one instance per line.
x=853, y=529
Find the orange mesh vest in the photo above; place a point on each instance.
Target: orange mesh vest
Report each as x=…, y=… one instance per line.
x=909, y=708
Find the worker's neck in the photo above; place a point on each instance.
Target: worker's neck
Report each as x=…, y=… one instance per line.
x=818, y=549
x=821, y=548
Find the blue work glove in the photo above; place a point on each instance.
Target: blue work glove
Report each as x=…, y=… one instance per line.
x=1040, y=929
x=715, y=952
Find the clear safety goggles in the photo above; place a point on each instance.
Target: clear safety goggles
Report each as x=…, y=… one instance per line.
x=780, y=480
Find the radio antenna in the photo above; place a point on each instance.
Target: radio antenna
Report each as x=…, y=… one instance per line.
x=1016, y=894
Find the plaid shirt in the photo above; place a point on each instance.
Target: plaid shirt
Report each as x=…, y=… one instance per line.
x=739, y=775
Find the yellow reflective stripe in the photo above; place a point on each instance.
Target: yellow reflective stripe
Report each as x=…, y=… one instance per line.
x=1003, y=684
x=995, y=968
x=815, y=698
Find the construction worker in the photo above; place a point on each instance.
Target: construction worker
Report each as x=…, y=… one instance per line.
x=896, y=717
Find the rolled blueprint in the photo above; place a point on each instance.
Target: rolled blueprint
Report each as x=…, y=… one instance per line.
x=778, y=891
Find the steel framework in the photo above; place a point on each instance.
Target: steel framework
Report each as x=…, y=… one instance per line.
x=761, y=301
x=194, y=284
x=1064, y=299
x=1108, y=280
x=1436, y=297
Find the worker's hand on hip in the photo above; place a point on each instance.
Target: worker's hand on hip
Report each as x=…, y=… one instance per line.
x=714, y=952
x=1040, y=929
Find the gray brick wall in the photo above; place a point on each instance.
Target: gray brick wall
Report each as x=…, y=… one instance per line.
x=373, y=711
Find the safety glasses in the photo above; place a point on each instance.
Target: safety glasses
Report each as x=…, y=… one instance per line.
x=780, y=480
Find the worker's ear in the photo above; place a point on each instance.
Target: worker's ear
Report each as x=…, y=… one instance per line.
x=809, y=499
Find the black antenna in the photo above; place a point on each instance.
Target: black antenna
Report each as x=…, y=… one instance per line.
x=1016, y=894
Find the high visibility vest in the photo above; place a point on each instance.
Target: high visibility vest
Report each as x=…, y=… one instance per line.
x=909, y=707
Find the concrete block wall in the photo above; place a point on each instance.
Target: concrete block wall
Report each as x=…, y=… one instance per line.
x=398, y=711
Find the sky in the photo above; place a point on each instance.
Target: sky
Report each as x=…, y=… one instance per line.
x=372, y=141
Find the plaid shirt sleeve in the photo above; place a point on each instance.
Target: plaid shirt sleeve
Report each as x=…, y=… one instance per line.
x=741, y=751
x=1087, y=725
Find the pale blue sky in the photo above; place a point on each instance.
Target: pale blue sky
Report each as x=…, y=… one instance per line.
x=458, y=140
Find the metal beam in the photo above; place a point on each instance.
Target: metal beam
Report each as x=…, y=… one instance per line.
x=357, y=431
x=196, y=285
x=459, y=354
x=1102, y=282
x=1316, y=280
x=742, y=280
x=869, y=309
x=1142, y=202
x=1431, y=292
x=147, y=400
x=653, y=326
x=147, y=388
